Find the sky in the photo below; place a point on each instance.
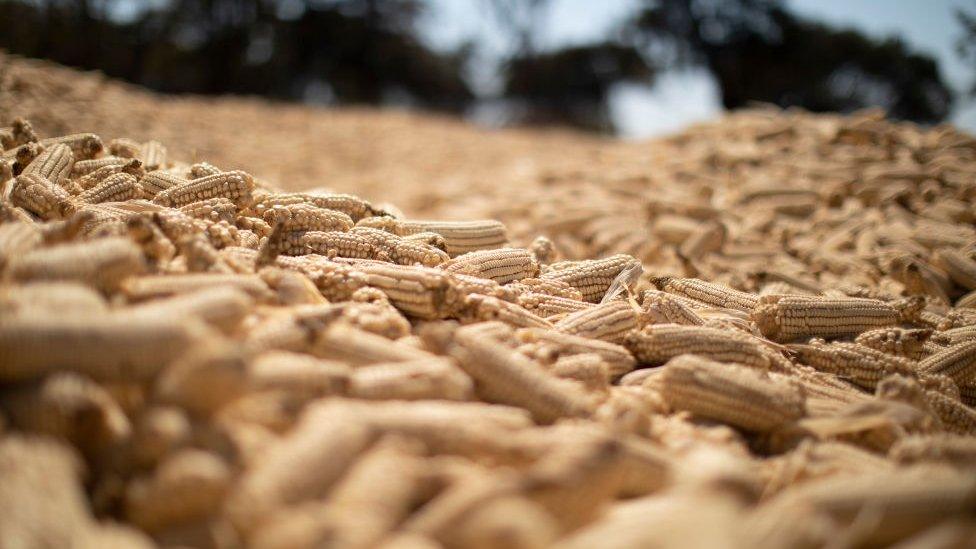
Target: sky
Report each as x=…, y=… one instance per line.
x=682, y=98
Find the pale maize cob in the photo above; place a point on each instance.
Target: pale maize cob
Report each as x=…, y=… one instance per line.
x=114, y=188
x=183, y=489
x=307, y=217
x=504, y=376
x=460, y=237
x=658, y=343
x=411, y=380
x=153, y=155
x=353, y=206
x=481, y=308
x=40, y=197
x=555, y=288
x=705, y=292
x=235, y=186
x=957, y=450
x=84, y=146
x=103, y=263
x=903, y=502
x=124, y=147
x=155, y=286
x=955, y=416
x=735, y=395
x=203, y=169
x=69, y=407
x=156, y=182
x=502, y=265
x=302, y=466
x=610, y=321
x=105, y=347
x=359, y=347
x=212, y=209
x=299, y=374
x=416, y=291
x=83, y=168
x=592, y=277
x=958, y=362
x=960, y=267
x=546, y=305
x=20, y=131
x=548, y=345
x=785, y=318
x=589, y=369
x=54, y=164
x=903, y=342
x=853, y=362
x=430, y=239
x=16, y=238
x=221, y=307
x=662, y=308
x=51, y=298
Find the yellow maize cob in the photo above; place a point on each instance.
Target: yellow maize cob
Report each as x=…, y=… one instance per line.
x=502, y=265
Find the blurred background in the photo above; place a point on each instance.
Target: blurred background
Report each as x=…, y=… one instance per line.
x=635, y=68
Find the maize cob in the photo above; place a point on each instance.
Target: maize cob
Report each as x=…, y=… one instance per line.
x=610, y=322
x=155, y=286
x=103, y=263
x=548, y=345
x=705, y=292
x=19, y=132
x=957, y=450
x=184, y=488
x=299, y=374
x=589, y=369
x=658, y=343
x=785, y=318
x=235, y=186
x=153, y=155
x=153, y=183
x=960, y=267
x=736, y=395
x=958, y=362
x=662, y=308
x=221, y=307
x=502, y=265
x=108, y=347
x=547, y=306
x=411, y=380
x=203, y=169
x=114, y=188
x=306, y=217
x=481, y=308
x=40, y=197
x=853, y=362
x=555, y=288
x=416, y=291
x=504, y=376
x=54, y=164
x=212, y=209
x=592, y=277
x=353, y=206
x=124, y=147
x=460, y=237
x=903, y=342
x=84, y=146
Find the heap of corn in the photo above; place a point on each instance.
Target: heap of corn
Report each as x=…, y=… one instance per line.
x=767, y=340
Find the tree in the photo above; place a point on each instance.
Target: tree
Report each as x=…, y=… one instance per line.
x=758, y=51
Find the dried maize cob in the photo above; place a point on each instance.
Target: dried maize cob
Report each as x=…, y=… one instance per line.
x=124, y=147
x=460, y=237
x=106, y=347
x=736, y=395
x=212, y=209
x=853, y=362
x=958, y=362
x=153, y=155
x=411, y=380
x=307, y=217
x=960, y=267
x=353, y=206
x=785, y=318
x=155, y=286
x=555, y=288
x=609, y=322
x=957, y=450
x=54, y=164
x=903, y=342
x=40, y=197
x=235, y=186
x=705, y=292
x=658, y=343
x=158, y=181
x=20, y=131
x=546, y=305
x=481, y=308
x=299, y=374
x=84, y=146
x=504, y=376
x=417, y=291
x=662, y=308
x=114, y=188
x=203, y=169
x=548, y=345
x=591, y=277
x=502, y=265
x=103, y=263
